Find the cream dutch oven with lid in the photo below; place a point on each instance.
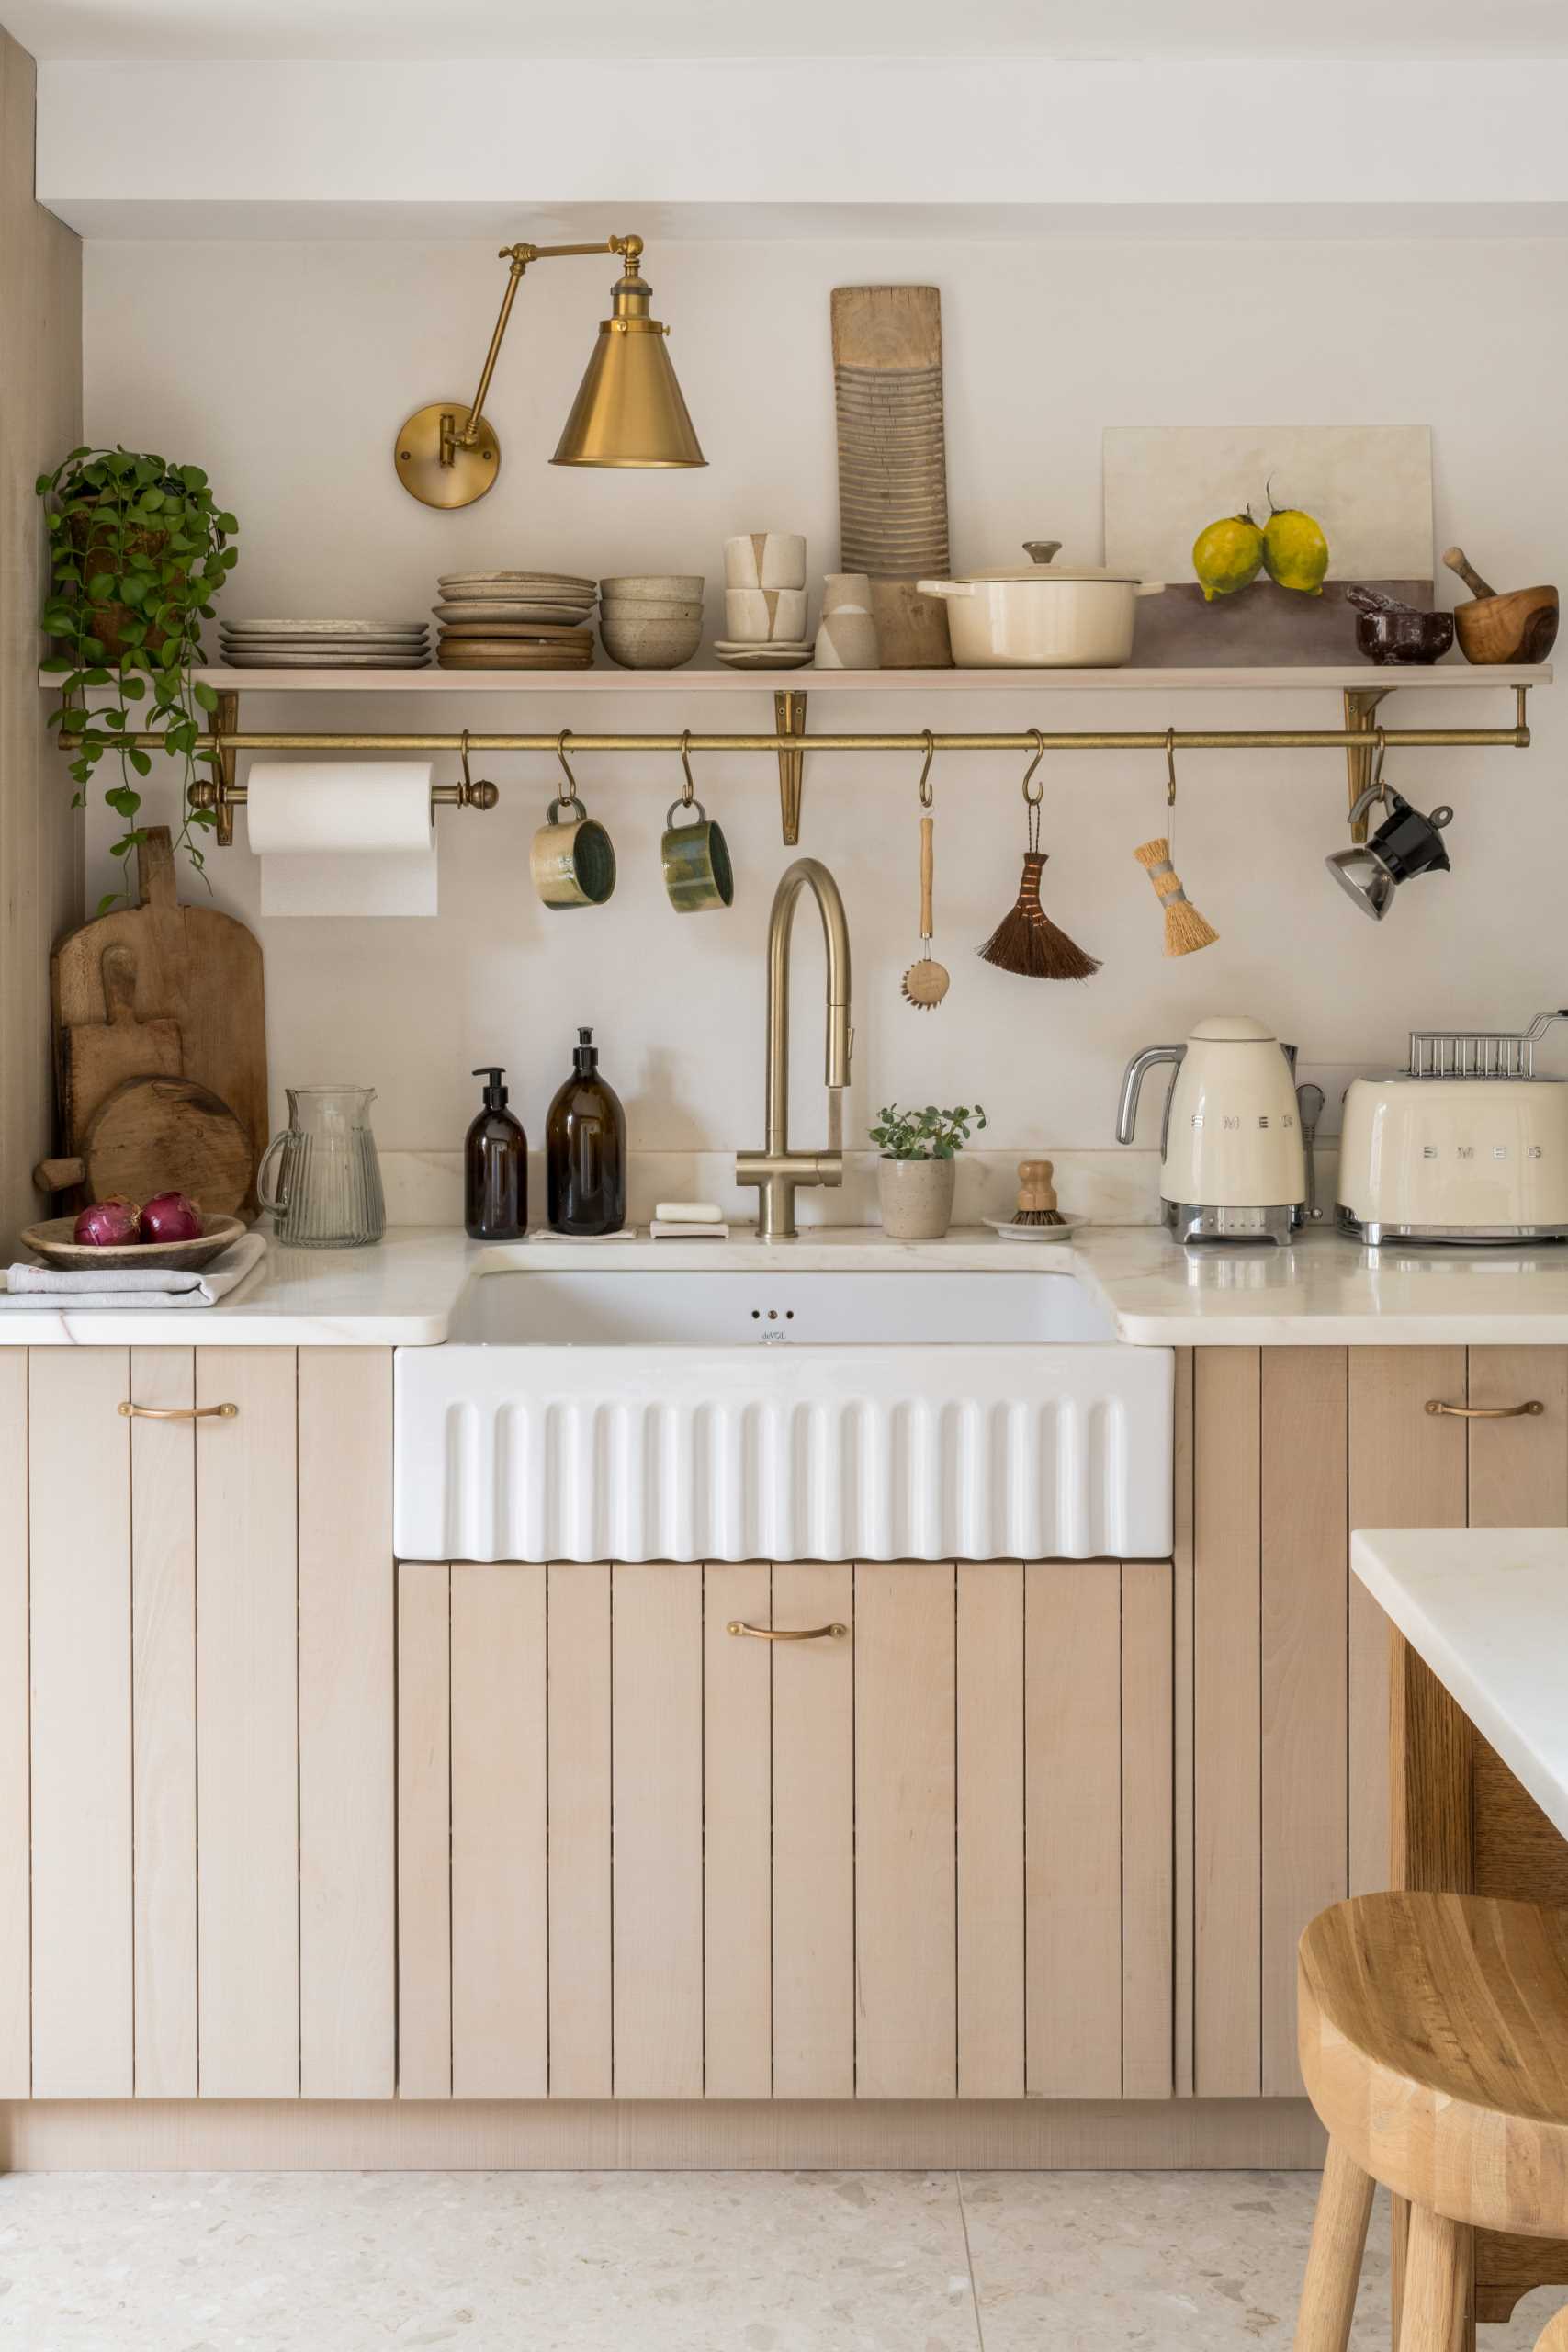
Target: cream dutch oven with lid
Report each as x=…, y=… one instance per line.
x=1051, y=617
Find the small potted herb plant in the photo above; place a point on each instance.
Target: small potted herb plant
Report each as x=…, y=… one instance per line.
x=914, y=1176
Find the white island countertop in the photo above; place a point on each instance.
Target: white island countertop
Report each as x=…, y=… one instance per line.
x=1487, y=1610
x=1321, y=1292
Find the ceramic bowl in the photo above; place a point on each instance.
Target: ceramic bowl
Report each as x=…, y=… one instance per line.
x=638, y=644
x=663, y=587
x=653, y=608
x=52, y=1241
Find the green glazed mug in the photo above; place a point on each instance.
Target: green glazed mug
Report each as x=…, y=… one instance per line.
x=573, y=865
x=697, y=872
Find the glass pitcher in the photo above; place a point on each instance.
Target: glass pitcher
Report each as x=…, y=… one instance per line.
x=329, y=1179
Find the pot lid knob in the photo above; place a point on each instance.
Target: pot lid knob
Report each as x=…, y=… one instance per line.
x=1041, y=551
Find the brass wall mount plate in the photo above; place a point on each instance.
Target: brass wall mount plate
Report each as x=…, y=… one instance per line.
x=417, y=456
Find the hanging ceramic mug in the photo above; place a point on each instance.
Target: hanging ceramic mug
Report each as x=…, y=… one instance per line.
x=697, y=872
x=573, y=858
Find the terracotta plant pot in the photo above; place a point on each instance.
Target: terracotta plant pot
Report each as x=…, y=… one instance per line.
x=916, y=1197
x=110, y=620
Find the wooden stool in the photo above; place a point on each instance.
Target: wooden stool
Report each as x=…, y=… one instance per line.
x=1433, y=2031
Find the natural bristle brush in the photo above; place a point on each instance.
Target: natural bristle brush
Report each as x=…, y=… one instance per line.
x=1026, y=941
x=1185, y=929
x=926, y=982
x=1036, y=1195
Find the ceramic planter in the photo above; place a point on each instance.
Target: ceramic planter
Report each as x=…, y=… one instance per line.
x=916, y=1196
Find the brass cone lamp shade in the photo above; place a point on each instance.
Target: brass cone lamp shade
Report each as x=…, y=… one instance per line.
x=629, y=409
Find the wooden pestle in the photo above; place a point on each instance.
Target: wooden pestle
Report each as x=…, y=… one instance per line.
x=1457, y=561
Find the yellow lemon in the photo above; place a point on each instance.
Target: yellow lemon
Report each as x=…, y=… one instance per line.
x=1226, y=555
x=1295, y=551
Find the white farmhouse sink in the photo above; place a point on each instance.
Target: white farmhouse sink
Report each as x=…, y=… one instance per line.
x=731, y=1416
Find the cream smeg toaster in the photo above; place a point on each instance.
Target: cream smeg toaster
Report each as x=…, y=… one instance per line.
x=1466, y=1145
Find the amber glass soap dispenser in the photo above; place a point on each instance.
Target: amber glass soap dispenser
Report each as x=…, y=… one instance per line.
x=495, y=1168
x=585, y=1150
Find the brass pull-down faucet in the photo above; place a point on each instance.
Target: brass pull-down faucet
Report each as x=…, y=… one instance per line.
x=776, y=1171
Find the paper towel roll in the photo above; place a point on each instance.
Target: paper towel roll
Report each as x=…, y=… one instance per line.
x=358, y=809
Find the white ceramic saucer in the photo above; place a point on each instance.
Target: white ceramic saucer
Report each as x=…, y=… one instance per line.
x=1005, y=1229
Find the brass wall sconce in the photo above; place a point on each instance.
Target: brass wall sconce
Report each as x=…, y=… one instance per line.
x=628, y=409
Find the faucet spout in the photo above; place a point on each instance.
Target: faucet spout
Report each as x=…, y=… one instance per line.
x=776, y=1170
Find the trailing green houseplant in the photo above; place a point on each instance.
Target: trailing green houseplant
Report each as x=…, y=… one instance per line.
x=915, y=1174
x=138, y=549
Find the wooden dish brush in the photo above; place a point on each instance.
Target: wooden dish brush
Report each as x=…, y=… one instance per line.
x=1036, y=1195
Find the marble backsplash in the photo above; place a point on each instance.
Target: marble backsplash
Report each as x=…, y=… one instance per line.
x=1113, y=1187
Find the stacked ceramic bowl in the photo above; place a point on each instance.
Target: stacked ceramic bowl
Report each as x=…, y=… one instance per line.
x=515, y=621
x=764, y=601
x=325, y=645
x=651, y=620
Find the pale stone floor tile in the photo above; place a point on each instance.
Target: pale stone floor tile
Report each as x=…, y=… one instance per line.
x=1167, y=2262
x=485, y=2262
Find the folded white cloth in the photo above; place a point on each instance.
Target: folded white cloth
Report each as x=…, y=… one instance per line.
x=36, y=1288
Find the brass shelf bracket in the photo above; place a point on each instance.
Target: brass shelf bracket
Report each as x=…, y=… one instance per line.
x=1360, y=713
x=789, y=718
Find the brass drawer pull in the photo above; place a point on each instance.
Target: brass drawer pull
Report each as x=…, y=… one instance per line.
x=769, y=1634
x=177, y=1412
x=1485, y=1412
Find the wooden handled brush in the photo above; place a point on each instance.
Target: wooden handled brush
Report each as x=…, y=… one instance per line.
x=1036, y=1195
x=926, y=981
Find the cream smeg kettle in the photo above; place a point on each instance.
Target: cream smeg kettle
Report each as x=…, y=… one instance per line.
x=1232, y=1166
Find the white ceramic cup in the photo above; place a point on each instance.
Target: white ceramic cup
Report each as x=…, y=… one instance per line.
x=846, y=591
x=848, y=640
x=765, y=559
x=754, y=615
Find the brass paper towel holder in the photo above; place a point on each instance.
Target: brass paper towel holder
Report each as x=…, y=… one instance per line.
x=628, y=409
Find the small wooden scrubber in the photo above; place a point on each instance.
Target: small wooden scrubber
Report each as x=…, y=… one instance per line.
x=1185, y=928
x=1036, y=1195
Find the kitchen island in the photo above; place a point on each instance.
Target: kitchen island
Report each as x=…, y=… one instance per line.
x=1478, y=1754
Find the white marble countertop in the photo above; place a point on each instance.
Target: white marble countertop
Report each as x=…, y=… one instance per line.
x=1321, y=1292
x=1487, y=1609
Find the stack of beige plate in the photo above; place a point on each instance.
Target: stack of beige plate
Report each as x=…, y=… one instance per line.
x=325, y=645
x=515, y=621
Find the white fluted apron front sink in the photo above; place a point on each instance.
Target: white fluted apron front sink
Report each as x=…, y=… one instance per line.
x=742, y=1415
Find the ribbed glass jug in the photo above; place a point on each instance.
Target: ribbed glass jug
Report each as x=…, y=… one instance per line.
x=329, y=1179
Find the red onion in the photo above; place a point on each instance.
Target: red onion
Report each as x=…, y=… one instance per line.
x=171, y=1217
x=108, y=1225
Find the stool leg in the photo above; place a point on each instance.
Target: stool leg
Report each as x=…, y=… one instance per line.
x=1438, y=2284
x=1333, y=2265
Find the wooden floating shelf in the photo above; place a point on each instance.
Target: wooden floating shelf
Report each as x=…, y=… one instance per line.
x=1354, y=677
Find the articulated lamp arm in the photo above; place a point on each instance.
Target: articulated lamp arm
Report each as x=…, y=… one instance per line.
x=519, y=255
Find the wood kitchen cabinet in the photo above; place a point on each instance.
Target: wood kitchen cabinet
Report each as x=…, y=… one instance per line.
x=197, y=1723
x=1288, y=1449
x=927, y=1856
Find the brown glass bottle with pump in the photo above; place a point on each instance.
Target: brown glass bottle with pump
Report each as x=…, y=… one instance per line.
x=495, y=1168
x=585, y=1150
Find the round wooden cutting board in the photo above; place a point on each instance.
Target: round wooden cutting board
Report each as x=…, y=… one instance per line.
x=167, y=1135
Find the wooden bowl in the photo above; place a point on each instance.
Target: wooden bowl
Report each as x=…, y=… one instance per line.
x=52, y=1241
x=1519, y=626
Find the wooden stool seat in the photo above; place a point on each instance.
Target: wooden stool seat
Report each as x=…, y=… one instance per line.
x=1433, y=2031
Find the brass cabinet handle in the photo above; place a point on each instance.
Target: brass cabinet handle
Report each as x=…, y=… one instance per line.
x=177, y=1412
x=769, y=1633
x=1485, y=1412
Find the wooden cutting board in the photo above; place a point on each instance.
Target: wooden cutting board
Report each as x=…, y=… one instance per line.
x=97, y=1056
x=194, y=966
x=160, y=1135
x=893, y=462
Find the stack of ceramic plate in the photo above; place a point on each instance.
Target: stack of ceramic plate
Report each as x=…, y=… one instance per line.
x=515, y=621
x=776, y=654
x=326, y=644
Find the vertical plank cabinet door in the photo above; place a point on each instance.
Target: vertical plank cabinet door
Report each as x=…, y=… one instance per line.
x=15, y=1866
x=347, y=1756
x=1073, y=1799
x=1406, y=1469
x=1305, y=1601
x=162, y=1608
x=738, y=1822
x=657, y=1647
x=500, y=1916
x=813, y=1829
x=990, y=1829
x=1226, y=1779
x=247, y=1724
x=79, y=1479
x=424, y=1830
x=1182, y=1761
x=905, y=1896
x=1519, y=1463
x=580, y=1995
x=1149, y=1826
